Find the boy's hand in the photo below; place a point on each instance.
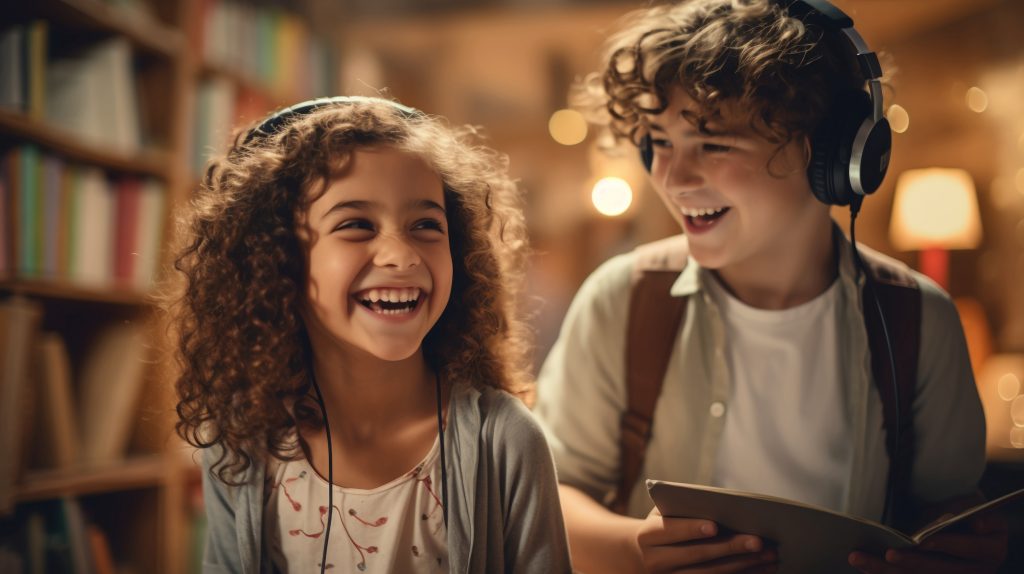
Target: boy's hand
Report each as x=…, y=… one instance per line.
x=693, y=545
x=983, y=549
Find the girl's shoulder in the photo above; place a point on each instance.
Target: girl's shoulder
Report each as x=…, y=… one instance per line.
x=503, y=418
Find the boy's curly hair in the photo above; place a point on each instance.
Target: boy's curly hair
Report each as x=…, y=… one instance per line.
x=783, y=71
x=240, y=342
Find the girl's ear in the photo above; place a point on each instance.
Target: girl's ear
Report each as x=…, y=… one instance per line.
x=807, y=150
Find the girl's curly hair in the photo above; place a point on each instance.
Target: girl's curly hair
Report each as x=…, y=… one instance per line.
x=240, y=342
x=783, y=71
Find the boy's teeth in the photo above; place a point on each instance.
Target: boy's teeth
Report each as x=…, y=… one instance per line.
x=702, y=211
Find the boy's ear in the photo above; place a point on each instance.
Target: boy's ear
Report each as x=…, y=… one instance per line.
x=807, y=150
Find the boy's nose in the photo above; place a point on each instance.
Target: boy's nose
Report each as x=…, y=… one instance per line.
x=680, y=174
x=395, y=251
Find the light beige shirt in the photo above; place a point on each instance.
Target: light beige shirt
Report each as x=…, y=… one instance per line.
x=581, y=395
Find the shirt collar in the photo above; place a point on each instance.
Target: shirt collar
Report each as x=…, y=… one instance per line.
x=692, y=279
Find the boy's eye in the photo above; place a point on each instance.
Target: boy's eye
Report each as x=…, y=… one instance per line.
x=660, y=142
x=716, y=148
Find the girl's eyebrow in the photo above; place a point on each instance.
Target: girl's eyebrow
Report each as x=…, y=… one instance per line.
x=362, y=204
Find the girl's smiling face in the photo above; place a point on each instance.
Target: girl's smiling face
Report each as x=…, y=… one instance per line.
x=379, y=258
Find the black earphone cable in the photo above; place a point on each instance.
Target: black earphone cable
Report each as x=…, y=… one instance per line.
x=330, y=462
x=330, y=471
x=440, y=440
x=861, y=268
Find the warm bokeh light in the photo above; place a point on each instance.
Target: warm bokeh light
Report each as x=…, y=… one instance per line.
x=935, y=207
x=977, y=99
x=898, y=118
x=1018, y=181
x=1020, y=143
x=1009, y=387
x=1017, y=437
x=1017, y=411
x=612, y=196
x=567, y=127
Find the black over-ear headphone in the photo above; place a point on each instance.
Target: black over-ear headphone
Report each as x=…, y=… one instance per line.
x=850, y=149
x=269, y=126
x=274, y=122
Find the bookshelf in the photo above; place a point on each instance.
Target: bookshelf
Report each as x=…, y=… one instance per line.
x=142, y=496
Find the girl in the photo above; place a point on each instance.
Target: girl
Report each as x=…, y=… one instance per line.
x=351, y=418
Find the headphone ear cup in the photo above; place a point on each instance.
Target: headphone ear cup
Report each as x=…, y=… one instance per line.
x=646, y=152
x=832, y=148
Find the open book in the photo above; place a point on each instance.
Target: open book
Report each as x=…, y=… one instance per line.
x=809, y=538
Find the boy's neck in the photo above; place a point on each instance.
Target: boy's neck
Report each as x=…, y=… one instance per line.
x=801, y=267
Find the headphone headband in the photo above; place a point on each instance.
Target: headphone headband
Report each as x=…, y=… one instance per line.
x=828, y=15
x=273, y=123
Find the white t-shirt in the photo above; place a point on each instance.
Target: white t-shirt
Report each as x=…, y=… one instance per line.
x=396, y=527
x=788, y=414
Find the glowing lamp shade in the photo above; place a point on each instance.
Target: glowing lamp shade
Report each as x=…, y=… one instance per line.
x=935, y=208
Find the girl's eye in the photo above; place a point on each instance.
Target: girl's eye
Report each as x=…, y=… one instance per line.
x=354, y=225
x=428, y=224
x=660, y=142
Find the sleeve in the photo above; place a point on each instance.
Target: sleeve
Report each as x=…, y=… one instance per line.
x=221, y=555
x=534, y=534
x=949, y=424
x=581, y=387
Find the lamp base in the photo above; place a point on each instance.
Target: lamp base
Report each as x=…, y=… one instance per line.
x=934, y=262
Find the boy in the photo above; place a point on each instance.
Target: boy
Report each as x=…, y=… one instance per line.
x=771, y=384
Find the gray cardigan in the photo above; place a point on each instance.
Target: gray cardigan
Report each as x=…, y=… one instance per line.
x=503, y=509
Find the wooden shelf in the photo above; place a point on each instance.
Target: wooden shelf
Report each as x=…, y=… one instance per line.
x=68, y=292
x=143, y=31
x=19, y=125
x=145, y=472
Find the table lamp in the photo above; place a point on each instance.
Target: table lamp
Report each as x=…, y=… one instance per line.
x=935, y=210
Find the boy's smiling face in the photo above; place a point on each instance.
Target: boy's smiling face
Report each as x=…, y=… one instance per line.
x=738, y=196
x=379, y=260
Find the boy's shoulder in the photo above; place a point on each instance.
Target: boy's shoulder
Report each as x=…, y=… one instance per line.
x=616, y=276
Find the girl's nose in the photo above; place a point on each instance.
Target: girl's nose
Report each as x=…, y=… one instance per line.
x=395, y=251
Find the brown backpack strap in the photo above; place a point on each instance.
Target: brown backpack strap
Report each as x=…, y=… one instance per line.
x=900, y=300
x=654, y=320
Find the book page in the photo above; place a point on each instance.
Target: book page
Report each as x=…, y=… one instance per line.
x=946, y=521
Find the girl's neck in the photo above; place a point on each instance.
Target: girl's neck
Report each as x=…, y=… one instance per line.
x=367, y=396
x=798, y=269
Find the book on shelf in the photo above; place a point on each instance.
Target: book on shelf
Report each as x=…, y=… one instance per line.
x=55, y=537
x=92, y=94
x=19, y=322
x=110, y=385
x=65, y=221
x=809, y=538
x=12, y=64
x=23, y=52
x=56, y=434
x=6, y=266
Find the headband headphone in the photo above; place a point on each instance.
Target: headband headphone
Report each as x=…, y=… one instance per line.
x=276, y=121
x=271, y=125
x=850, y=149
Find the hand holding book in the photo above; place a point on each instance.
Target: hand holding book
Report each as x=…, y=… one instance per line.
x=807, y=538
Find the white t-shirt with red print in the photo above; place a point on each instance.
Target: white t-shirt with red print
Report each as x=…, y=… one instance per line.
x=396, y=527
